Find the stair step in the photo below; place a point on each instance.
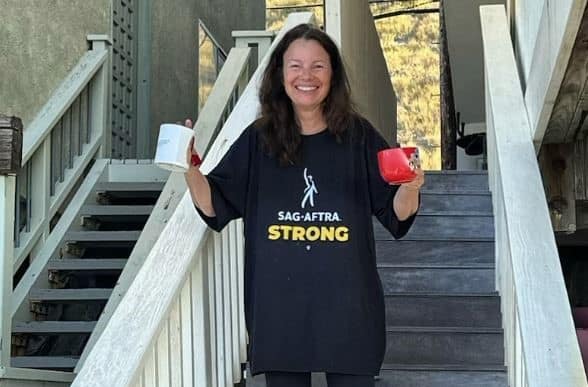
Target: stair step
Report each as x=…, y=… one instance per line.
x=129, y=187
x=439, y=378
x=444, y=346
x=44, y=362
x=443, y=310
x=86, y=264
x=114, y=210
x=102, y=236
x=53, y=327
x=443, y=228
x=406, y=252
x=459, y=180
x=437, y=201
x=425, y=376
x=441, y=280
x=65, y=295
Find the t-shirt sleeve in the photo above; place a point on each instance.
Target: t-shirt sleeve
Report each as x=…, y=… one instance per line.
x=228, y=184
x=381, y=193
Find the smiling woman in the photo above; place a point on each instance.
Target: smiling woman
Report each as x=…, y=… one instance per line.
x=305, y=179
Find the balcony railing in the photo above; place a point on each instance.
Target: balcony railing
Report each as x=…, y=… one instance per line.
x=540, y=340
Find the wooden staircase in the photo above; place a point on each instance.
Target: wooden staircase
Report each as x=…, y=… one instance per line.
x=442, y=311
x=65, y=308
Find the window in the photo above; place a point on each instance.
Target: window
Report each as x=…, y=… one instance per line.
x=211, y=60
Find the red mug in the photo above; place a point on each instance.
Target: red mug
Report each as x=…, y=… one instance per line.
x=398, y=165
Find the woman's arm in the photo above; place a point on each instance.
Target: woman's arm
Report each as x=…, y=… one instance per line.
x=197, y=182
x=406, y=200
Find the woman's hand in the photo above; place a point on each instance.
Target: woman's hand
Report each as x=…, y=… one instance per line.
x=417, y=182
x=192, y=156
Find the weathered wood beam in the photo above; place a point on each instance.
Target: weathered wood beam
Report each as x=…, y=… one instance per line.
x=10, y=144
x=571, y=105
x=448, y=118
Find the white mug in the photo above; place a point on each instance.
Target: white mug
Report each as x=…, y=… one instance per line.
x=172, y=147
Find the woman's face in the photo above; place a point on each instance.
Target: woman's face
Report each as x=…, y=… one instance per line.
x=307, y=74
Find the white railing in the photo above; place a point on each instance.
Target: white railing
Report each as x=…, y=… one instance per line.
x=181, y=321
x=229, y=86
x=540, y=339
x=58, y=147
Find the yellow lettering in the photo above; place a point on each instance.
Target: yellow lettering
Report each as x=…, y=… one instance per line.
x=327, y=234
x=274, y=232
x=298, y=233
x=342, y=234
x=286, y=231
x=313, y=233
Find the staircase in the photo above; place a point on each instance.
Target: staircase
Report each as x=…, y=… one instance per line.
x=442, y=311
x=65, y=306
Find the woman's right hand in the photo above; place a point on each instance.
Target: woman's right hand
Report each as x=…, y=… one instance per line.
x=191, y=155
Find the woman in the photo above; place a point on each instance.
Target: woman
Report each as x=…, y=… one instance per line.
x=305, y=179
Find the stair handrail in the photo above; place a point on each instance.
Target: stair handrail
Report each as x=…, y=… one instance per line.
x=181, y=320
x=53, y=163
x=227, y=89
x=540, y=339
x=30, y=200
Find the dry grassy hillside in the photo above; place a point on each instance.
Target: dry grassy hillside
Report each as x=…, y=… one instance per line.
x=410, y=44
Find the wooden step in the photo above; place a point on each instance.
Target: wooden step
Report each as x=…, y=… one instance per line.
x=441, y=378
x=456, y=253
x=438, y=279
x=102, y=236
x=53, y=327
x=86, y=264
x=44, y=362
x=444, y=346
x=128, y=187
x=456, y=180
x=114, y=210
x=69, y=295
x=428, y=227
x=443, y=310
x=440, y=202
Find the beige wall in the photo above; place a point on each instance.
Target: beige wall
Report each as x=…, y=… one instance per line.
x=464, y=40
x=40, y=42
x=174, y=80
x=351, y=24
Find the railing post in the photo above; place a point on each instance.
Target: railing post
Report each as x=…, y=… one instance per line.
x=260, y=39
x=10, y=157
x=100, y=97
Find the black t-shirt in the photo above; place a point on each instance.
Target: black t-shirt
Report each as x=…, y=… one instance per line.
x=313, y=297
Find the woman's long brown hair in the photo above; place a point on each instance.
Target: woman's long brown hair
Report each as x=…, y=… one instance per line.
x=279, y=128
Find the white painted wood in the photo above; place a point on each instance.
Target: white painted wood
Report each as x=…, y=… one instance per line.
x=7, y=202
x=546, y=33
x=60, y=100
x=211, y=286
x=187, y=337
x=241, y=289
x=175, y=346
x=533, y=289
x=162, y=356
x=52, y=243
x=227, y=319
x=220, y=311
x=233, y=257
x=262, y=39
x=35, y=376
x=150, y=370
x=119, y=352
x=211, y=116
x=201, y=347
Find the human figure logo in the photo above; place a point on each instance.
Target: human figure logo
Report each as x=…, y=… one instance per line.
x=309, y=191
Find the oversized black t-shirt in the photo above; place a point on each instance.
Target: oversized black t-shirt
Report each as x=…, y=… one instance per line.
x=313, y=297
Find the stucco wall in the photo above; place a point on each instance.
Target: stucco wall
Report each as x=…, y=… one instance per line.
x=351, y=24
x=40, y=42
x=174, y=81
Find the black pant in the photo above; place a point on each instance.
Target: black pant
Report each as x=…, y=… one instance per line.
x=302, y=379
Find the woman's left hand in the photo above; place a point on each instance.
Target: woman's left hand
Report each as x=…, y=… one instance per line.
x=417, y=182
